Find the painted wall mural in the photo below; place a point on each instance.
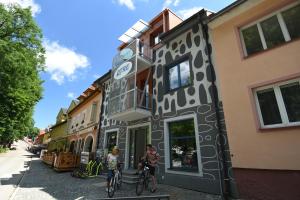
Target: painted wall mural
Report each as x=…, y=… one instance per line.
x=193, y=99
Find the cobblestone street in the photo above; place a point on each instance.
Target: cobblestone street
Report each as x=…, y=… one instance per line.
x=41, y=182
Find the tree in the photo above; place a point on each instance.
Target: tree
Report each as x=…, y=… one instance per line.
x=21, y=60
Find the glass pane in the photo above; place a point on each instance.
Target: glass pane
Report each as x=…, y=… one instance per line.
x=183, y=150
x=291, y=18
x=185, y=73
x=111, y=140
x=269, y=107
x=272, y=31
x=291, y=98
x=252, y=40
x=173, y=78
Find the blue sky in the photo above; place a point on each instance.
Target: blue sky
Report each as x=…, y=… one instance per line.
x=81, y=37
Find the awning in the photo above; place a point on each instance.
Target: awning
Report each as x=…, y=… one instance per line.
x=135, y=31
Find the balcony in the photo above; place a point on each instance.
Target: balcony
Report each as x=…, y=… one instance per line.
x=132, y=105
x=130, y=97
x=136, y=52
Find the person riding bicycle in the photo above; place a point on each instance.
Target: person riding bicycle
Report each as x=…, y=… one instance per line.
x=112, y=163
x=150, y=160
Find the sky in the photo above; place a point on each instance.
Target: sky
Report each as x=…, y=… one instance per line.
x=81, y=39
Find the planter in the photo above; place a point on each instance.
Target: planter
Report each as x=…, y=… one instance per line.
x=48, y=158
x=65, y=161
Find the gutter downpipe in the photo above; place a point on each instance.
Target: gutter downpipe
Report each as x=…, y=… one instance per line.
x=224, y=185
x=101, y=111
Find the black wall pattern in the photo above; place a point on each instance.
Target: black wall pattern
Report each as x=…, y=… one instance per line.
x=195, y=99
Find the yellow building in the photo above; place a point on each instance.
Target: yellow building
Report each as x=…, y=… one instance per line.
x=58, y=132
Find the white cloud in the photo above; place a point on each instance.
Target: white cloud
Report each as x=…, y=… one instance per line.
x=35, y=8
x=128, y=3
x=63, y=62
x=71, y=95
x=168, y=3
x=186, y=13
x=176, y=2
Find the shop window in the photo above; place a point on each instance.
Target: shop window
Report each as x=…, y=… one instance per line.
x=111, y=140
x=273, y=30
x=279, y=105
x=179, y=75
x=183, y=148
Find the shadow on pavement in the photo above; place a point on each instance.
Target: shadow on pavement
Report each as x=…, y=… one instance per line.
x=42, y=182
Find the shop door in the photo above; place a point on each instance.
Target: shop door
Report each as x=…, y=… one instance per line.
x=137, y=146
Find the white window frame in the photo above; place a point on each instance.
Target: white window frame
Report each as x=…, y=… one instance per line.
x=106, y=134
x=280, y=103
x=282, y=25
x=167, y=145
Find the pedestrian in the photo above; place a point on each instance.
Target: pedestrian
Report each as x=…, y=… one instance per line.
x=112, y=163
x=150, y=159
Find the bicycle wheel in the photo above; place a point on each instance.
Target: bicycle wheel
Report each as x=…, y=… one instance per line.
x=119, y=183
x=140, y=185
x=146, y=180
x=111, y=188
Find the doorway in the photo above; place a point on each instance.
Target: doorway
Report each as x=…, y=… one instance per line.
x=138, y=139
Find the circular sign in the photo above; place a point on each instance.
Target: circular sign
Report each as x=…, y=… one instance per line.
x=123, y=70
x=126, y=54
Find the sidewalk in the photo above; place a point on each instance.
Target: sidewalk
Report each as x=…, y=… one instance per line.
x=41, y=182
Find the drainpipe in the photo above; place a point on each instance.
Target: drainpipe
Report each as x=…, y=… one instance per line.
x=101, y=112
x=224, y=179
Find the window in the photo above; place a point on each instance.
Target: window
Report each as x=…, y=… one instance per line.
x=279, y=105
x=111, y=140
x=275, y=29
x=291, y=18
x=179, y=75
x=183, y=148
x=93, y=112
x=154, y=37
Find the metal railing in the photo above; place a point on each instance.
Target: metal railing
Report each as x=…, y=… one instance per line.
x=135, y=48
x=131, y=99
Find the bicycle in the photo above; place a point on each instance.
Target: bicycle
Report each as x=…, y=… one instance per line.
x=115, y=182
x=143, y=180
x=92, y=169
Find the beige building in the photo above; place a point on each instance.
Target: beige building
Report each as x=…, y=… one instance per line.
x=83, y=120
x=256, y=50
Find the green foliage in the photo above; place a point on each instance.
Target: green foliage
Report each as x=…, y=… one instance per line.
x=3, y=149
x=21, y=60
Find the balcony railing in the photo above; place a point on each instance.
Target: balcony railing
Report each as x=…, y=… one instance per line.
x=134, y=49
x=129, y=101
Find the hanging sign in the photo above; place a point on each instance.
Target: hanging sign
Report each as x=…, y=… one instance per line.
x=126, y=54
x=123, y=70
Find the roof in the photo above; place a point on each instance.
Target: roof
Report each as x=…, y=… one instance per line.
x=42, y=132
x=151, y=22
x=135, y=31
x=64, y=110
x=226, y=9
x=103, y=78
